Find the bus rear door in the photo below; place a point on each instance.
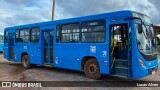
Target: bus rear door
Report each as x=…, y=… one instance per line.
x=11, y=46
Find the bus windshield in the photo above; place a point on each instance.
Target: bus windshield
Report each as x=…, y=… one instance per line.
x=146, y=40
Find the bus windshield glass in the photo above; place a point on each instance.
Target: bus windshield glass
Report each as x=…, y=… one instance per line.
x=146, y=40
x=144, y=18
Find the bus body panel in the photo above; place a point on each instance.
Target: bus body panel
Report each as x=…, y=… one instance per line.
x=6, y=52
x=70, y=55
x=31, y=49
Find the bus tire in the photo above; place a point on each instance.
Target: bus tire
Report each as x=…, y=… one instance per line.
x=92, y=69
x=25, y=62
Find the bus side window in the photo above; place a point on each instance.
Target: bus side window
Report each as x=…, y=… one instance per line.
x=93, y=31
x=6, y=37
x=35, y=34
x=24, y=36
x=70, y=33
x=17, y=36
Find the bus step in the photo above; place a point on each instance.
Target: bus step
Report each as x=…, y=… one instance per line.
x=119, y=75
x=121, y=70
x=121, y=67
x=47, y=65
x=121, y=62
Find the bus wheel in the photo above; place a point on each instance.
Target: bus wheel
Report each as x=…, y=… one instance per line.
x=92, y=69
x=25, y=62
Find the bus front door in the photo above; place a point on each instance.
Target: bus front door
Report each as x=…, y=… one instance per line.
x=120, y=50
x=11, y=46
x=48, y=46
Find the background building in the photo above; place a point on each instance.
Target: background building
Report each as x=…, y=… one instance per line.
x=157, y=32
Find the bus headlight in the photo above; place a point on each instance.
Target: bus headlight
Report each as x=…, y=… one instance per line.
x=141, y=63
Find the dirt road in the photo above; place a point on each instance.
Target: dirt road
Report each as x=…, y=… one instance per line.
x=12, y=71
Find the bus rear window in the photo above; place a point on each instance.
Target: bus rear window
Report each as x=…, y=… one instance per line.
x=6, y=37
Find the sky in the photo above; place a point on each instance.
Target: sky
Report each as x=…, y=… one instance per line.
x=19, y=12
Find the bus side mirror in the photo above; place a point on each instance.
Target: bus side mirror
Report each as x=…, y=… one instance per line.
x=140, y=28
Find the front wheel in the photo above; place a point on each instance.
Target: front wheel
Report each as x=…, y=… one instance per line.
x=25, y=62
x=92, y=69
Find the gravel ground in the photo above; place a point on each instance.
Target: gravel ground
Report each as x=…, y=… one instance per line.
x=12, y=71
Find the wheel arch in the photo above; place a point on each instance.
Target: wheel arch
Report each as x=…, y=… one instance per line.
x=22, y=54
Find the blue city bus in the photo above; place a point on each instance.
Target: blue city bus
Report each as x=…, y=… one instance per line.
x=119, y=43
x=1, y=42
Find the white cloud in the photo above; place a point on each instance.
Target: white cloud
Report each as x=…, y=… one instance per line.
x=144, y=6
x=23, y=12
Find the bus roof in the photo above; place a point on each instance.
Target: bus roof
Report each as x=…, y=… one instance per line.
x=118, y=14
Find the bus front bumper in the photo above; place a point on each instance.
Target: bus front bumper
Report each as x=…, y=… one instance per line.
x=143, y=72
x=152, y=70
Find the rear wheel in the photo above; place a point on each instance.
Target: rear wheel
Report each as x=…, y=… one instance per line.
x=92, y=69
x=25, y=62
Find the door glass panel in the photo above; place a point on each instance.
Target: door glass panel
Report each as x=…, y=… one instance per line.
x=51, y=55
x=11, y=47
x=11, y=40
x=11, y=52
x=51, y=38
x=46, y=54
x=119, y=41
x=46, y=38
x=51, y=46
x=6, y=37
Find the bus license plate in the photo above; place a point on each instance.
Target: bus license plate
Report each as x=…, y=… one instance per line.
x=153, y=72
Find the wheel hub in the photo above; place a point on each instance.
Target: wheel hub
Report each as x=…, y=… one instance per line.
x=93, y=68
x=25, y=62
